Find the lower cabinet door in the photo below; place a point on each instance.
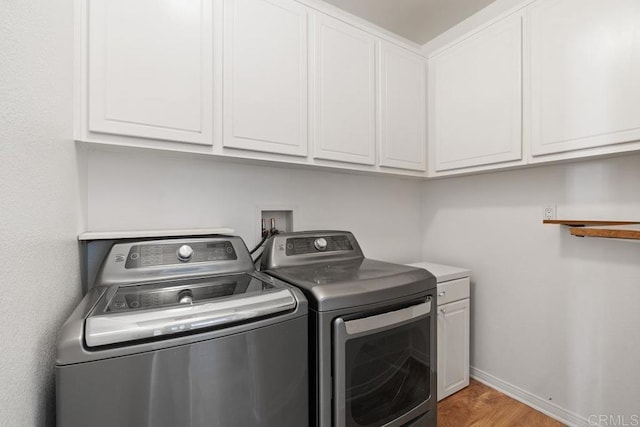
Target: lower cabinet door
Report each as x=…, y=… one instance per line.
x=453, y=347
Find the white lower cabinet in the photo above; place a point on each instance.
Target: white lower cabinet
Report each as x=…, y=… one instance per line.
x=453, y=322
x=453, y=341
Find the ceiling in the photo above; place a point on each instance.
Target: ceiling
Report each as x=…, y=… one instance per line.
x=416, y=20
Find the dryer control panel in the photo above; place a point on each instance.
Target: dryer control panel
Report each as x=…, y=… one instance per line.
x=311, y=244
x=303, y=247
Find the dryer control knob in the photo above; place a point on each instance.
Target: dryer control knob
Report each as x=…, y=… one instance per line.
x=185, y=252
x=320, y=244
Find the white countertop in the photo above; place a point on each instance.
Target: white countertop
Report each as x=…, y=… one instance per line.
x=443, y=273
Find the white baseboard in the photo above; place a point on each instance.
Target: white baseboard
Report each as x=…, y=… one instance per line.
x=529, y=399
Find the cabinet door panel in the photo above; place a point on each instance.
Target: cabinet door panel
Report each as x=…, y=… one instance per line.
x=265, y=76
x=476, y=105
x=344, y=92
x=453, y=347
x=585, y=63
x=402, y=108
x=150, y=69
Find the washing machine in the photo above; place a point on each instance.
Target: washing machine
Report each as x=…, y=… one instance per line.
x=182, y=332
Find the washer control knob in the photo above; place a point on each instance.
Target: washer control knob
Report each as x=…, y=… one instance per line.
x=185, y=296
x=185, y=252
x=320, y=244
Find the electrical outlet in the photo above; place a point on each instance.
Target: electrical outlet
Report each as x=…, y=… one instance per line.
x=549, y=212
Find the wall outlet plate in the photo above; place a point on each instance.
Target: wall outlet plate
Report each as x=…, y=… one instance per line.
x=549, y=212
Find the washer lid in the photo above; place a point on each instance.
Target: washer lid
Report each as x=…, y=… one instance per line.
x=144, y=311
x=332, y=286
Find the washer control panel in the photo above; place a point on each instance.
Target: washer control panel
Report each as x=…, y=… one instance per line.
x=308, y=245
x=137, y=261
x=154, y=254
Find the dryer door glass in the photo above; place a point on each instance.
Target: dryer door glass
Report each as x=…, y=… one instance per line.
x=383, y=373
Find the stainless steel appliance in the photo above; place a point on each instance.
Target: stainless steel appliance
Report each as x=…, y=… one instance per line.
x=372, y=331
x=182, y=332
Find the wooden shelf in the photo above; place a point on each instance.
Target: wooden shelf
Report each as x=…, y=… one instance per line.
x=584, y=223
x=607, y=229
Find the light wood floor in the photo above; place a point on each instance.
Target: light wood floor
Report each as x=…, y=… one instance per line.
x=479, y=406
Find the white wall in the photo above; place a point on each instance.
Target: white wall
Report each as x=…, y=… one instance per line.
x=131, y=189
x=552, y=314
x=39, y=271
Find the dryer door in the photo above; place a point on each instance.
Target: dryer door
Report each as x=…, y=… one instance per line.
x=383, y=367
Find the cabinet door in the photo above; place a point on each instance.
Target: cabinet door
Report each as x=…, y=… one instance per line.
x=150, y=69
x=585, y=63
x=475, y=98
x=343, y=64
x=402, y=108
x=265, y=76
x=453, y=347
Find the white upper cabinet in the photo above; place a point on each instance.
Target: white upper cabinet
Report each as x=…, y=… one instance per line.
x=150, y=69
x=343, y=91
x=585, y=74
x=299, y=82
x=402, y=106
x=265, y=76
x=276, y=80
x=475, y=99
